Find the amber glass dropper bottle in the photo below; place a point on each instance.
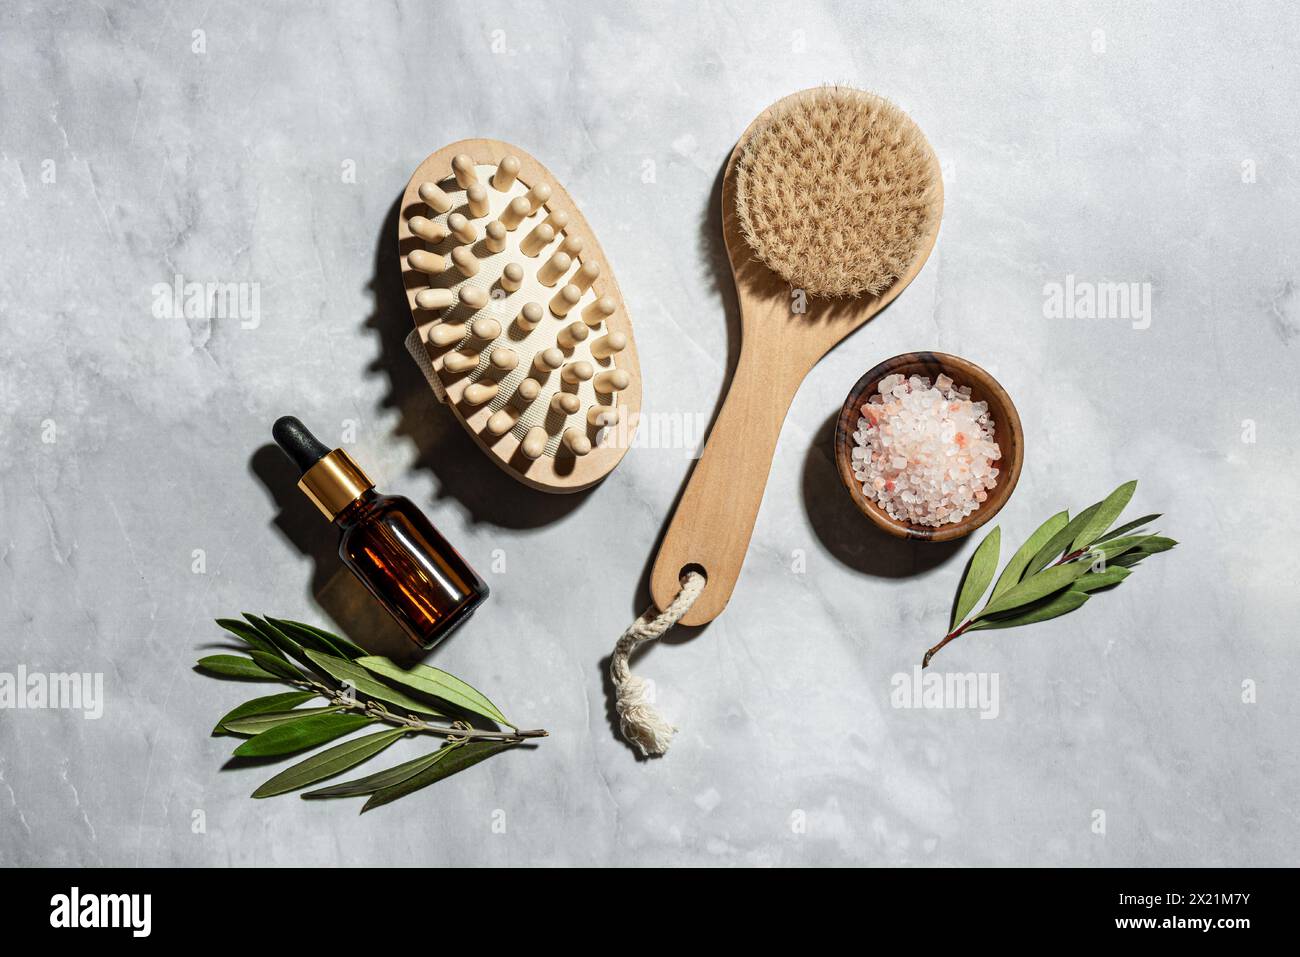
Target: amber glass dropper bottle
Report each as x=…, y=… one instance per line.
x=385, y=540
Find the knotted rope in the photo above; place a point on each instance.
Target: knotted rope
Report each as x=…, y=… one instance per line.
x=638, y=720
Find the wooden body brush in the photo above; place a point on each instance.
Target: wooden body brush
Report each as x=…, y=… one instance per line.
x=830, y=206
x=525, y=329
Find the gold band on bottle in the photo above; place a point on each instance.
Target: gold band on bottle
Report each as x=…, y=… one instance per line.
x=334, y=483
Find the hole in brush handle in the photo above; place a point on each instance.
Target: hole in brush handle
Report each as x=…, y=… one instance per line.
x=693, y=567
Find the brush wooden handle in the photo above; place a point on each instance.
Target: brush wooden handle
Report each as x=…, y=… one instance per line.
x=715, y=516
x=783, y=335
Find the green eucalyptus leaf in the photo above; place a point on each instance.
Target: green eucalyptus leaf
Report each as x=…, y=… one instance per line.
x=329, y=762
x=1156, y=544
x=1058, y=543
x=1116, y=546
x=1031, y=589
x=1052, y=606
x=437, y=684
x=272, y=702
x=379, y=780
x=1127, y=560
x=303, y=733
x=276, y=665
x=1127, y=527
x=318, y=638
x=979, y=572
x=1095, y=581
x=250, y=635
x=236, y=666
x=1151, y=545
x=341, y=669
x=256, y=724
x=1104, y=517
x=458, y=758
x=1020, y=560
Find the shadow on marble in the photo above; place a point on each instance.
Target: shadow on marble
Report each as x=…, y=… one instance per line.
x=462, y=470
x=849, y=535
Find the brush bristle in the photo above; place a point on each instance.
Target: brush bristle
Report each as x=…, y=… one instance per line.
x=836, y=191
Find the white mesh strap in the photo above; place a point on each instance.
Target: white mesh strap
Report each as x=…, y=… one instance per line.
x=415, y=346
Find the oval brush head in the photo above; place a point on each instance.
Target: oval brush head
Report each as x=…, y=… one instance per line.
x=524, y=328
x=836, y=192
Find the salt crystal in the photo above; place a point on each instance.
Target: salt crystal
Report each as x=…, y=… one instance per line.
x=924, y=453
x=888, y=383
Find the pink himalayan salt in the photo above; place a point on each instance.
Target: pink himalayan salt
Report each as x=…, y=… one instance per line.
x=925, y=453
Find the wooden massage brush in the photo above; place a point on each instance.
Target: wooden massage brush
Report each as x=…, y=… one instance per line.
x=526, y=334
x=831, y=201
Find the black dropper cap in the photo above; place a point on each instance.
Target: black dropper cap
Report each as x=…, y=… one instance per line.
x=297, y=442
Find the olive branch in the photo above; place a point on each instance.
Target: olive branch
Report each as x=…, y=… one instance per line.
x=359, y=690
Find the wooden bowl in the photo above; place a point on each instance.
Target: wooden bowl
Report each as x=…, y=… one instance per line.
x=984, y=388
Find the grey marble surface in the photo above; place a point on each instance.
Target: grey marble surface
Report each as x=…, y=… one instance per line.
x=245, y=143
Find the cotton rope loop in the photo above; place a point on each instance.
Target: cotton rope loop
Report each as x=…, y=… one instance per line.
x=639, y=722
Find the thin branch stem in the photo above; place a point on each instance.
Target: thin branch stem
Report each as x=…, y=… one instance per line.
x=375, y=709
x=947, y=638
x=1070, y=557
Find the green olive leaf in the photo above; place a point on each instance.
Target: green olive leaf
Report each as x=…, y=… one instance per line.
x=316, y=637
x=1116, y=546
x=329, y=762
x=288, y=647
x=1031, y=589
x=276, y=665
x=1156, y=544
x=341, y=669
x=1020, y=560
x=255, y=724
x=1127, y=560
x=301, y=734
x=1111, y=576
x=1052, y=606
x=1127, y=527
x=1104, y=517
x=379, y=780
x=458, y=758
x=264, y=705
x=979, y=572
x=437, y=684
x=1058, y=543
x=250, y=635
x=236, y=666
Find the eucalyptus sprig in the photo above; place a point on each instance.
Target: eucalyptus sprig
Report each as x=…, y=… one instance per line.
x=1058, y=569
x=359, y=690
